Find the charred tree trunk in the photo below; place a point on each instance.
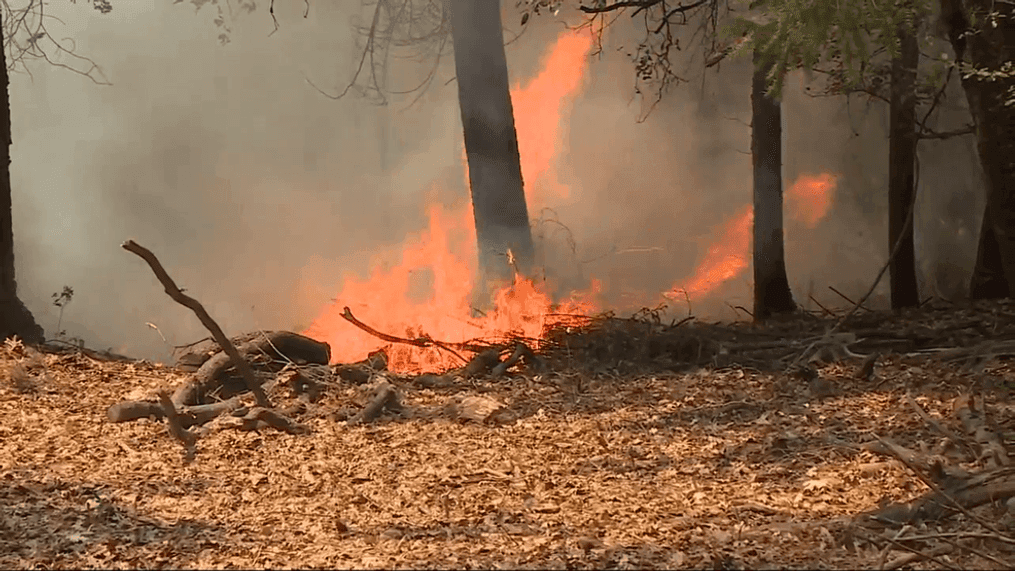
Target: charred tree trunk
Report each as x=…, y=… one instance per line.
x=901, y=170
x=771, y=287
x=491, y=143
x=15, y=319
x=989, y=47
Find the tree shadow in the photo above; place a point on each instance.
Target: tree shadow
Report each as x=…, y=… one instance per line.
x=61, y=523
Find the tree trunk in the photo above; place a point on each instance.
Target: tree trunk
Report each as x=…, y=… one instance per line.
x=491, y=144
x=989, y=47
x=15, y=319
x=901, y=169
x=771, y=288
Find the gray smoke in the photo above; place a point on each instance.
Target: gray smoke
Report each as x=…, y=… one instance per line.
x=259, y=194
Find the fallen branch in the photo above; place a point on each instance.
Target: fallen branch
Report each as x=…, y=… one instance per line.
x=176, y=429
x=521, y=351
x=260, y=417
x=212, y=375
x=424, y=341
x=187, y=416
x=174, y=292
x=973, y=416
x=384, y=396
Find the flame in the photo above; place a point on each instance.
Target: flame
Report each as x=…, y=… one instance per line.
x=539, y=109
x=809, y=199
x=391, y=300
x=725, y=259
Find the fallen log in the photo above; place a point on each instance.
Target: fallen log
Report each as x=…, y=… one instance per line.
x=282, y=346
x=521, y=351
x=973, y=417
x=384, y=397
x=259, y=418
x=174, y=292
x=188, y=439
x=481, y=363
x=360, y=372
x=187, y=416
x=991, y=486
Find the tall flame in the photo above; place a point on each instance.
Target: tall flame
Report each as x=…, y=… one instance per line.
x=389, y=299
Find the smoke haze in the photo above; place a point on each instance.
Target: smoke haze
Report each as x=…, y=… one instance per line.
x=258, y=193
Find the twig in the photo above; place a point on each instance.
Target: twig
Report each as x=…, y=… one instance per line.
x=818, y=303
x=851, y=302
x=183, y=299
x=935, y=488
x=418, y=342
x=935, y=424
x=980, y=553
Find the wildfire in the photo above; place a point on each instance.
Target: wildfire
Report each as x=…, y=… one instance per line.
x=809, y=199
x=725, y=259
x=428, y=291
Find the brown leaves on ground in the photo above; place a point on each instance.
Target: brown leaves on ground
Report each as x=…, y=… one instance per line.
x=710, y=469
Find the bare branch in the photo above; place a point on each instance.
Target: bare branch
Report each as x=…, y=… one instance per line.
x=25, y=36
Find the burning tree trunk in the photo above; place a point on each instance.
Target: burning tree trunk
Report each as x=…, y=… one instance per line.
x=989, y=42
x=15, y=319
x=771, y=287
x=491, y=143
x=901, y=168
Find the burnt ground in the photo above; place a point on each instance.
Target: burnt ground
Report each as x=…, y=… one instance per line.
x=605, y=461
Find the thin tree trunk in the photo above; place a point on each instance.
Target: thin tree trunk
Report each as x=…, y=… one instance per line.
x=491, y=143
x=15, y=319
x=771, y=287
x=901, y=169
x=990, y=47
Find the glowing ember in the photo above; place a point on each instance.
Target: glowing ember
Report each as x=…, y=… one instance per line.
x=810, y=198
x=390, y=300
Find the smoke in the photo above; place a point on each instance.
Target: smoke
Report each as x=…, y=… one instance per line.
x=259, y=194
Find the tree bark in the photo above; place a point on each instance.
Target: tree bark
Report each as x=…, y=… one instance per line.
x=491, y=143
x=901, y=170
x=988, y=44
x=15, y=319
x=771, y=287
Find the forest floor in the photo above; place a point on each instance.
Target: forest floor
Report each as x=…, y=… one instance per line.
x=721, y=468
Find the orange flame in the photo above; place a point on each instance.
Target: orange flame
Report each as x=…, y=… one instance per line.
x=539, y=109
x=390, y=301
x=725, y=259
x=809, y=199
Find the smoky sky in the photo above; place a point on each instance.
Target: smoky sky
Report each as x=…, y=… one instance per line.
x=259, y=194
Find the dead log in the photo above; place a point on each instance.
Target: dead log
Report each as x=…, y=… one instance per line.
x=991, y=486
x=261, y=347
x=384, y=397
x=259, y=418
x=974, y=420
x=360, y=372
x=187, y=416
x=188, y=439
x=521, y=351
x=174, y=292
x=481, y=363
x=282, y=345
